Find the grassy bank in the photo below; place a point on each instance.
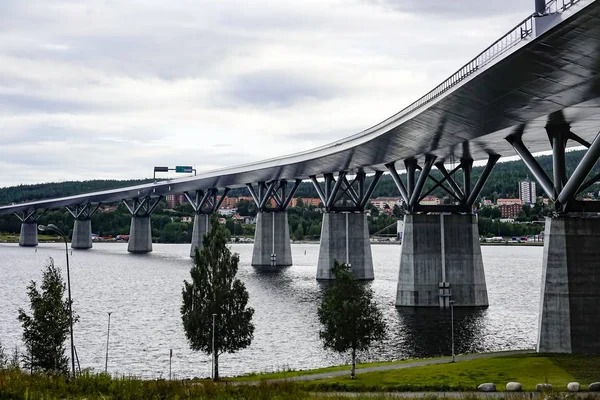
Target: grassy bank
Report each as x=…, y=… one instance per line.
x=528, y=369
x=18, y=385
x=14, y=238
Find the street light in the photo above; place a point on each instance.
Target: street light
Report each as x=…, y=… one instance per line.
x=452, y=322
x=213, y=347
x=107, y=337
x=54, y=228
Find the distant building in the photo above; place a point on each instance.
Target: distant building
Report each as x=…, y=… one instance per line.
x=488, y=202
x=381, y=202
x=174, y=200
x=509, y=210
x=430, y=201
x=527, y=191
x=307, y=201
x=508, y=202
x=187, y=220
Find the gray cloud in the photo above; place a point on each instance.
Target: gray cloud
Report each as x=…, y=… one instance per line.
x=458, y=9
x=279, y=88
x=109, y=89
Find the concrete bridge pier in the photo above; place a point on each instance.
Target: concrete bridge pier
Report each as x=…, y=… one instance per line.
x=272, y=249
x=140, y=232
x=29, y=227
x=29, y=234
x=201, y=228
x=571, y=264
x=441, y=260
x=345, y=238
x=82, y=228
x=204, y=203
x=82, y=234
x=344, y=230
x=140, y=235
x=570, y=286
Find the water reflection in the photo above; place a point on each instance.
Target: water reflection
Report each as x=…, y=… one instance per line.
x=427, y=332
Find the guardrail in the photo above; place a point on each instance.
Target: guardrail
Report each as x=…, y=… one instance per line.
x=556, y=6
x=519, y=33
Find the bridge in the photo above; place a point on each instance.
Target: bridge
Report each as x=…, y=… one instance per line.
x=535, y=89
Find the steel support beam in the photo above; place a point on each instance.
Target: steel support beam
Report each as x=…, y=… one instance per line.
x=532, y=165
x=492, y=159
x=399, y=184
x=581, y=172
x=414, y=197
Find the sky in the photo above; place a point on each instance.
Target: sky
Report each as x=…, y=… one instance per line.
x=108, y=89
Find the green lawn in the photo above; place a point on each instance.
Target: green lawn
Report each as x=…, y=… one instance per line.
x=291, y=373
x=14, y=238
x=529, y=369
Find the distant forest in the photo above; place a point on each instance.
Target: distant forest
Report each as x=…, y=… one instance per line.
x=502, y=183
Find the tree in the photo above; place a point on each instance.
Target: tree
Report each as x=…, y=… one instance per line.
x=45, y=330
x=299, y=232
x=350, y=318
x=3, y=357
x=299, y=202
x=215, y=290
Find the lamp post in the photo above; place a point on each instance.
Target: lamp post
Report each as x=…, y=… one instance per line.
x=452, y=323
x=213, y=346
x=107, y=337
x=54, y=228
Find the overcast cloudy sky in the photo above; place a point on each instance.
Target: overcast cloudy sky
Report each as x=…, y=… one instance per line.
x=109, y=89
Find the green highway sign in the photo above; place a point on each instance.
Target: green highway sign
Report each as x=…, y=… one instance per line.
x=185, y=169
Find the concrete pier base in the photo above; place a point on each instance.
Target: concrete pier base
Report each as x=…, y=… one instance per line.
x=570, y=286
x=272, y=236
x=82, y=234
x=436, y=249
x=29, y=234
x=201, y=228
x=345, y=238
x=140, y=235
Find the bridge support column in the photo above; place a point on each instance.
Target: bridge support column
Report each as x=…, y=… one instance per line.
x=201, y=228
x=29, y=234
x=204, y=203
x=441, y=255
x=82, y=234
x=570, y=286
x=82, y=228
x=272, y=240
x=272, y=249
x=140, y=232
x=440, y=259
x=571, y=265
x=345, y=238
x=344, y=230
x=140, y=235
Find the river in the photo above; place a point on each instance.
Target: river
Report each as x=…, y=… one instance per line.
x=144, y=294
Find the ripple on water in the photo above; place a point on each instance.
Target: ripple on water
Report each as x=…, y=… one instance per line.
x=144, y=294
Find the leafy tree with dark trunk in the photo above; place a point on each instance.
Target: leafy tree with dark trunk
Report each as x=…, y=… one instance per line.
x=214, y=289
x=350, y=318
x=3, y=357
x=45, y=330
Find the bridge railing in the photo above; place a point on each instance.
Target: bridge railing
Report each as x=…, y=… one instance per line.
x=519, y=33
x=556, y=6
